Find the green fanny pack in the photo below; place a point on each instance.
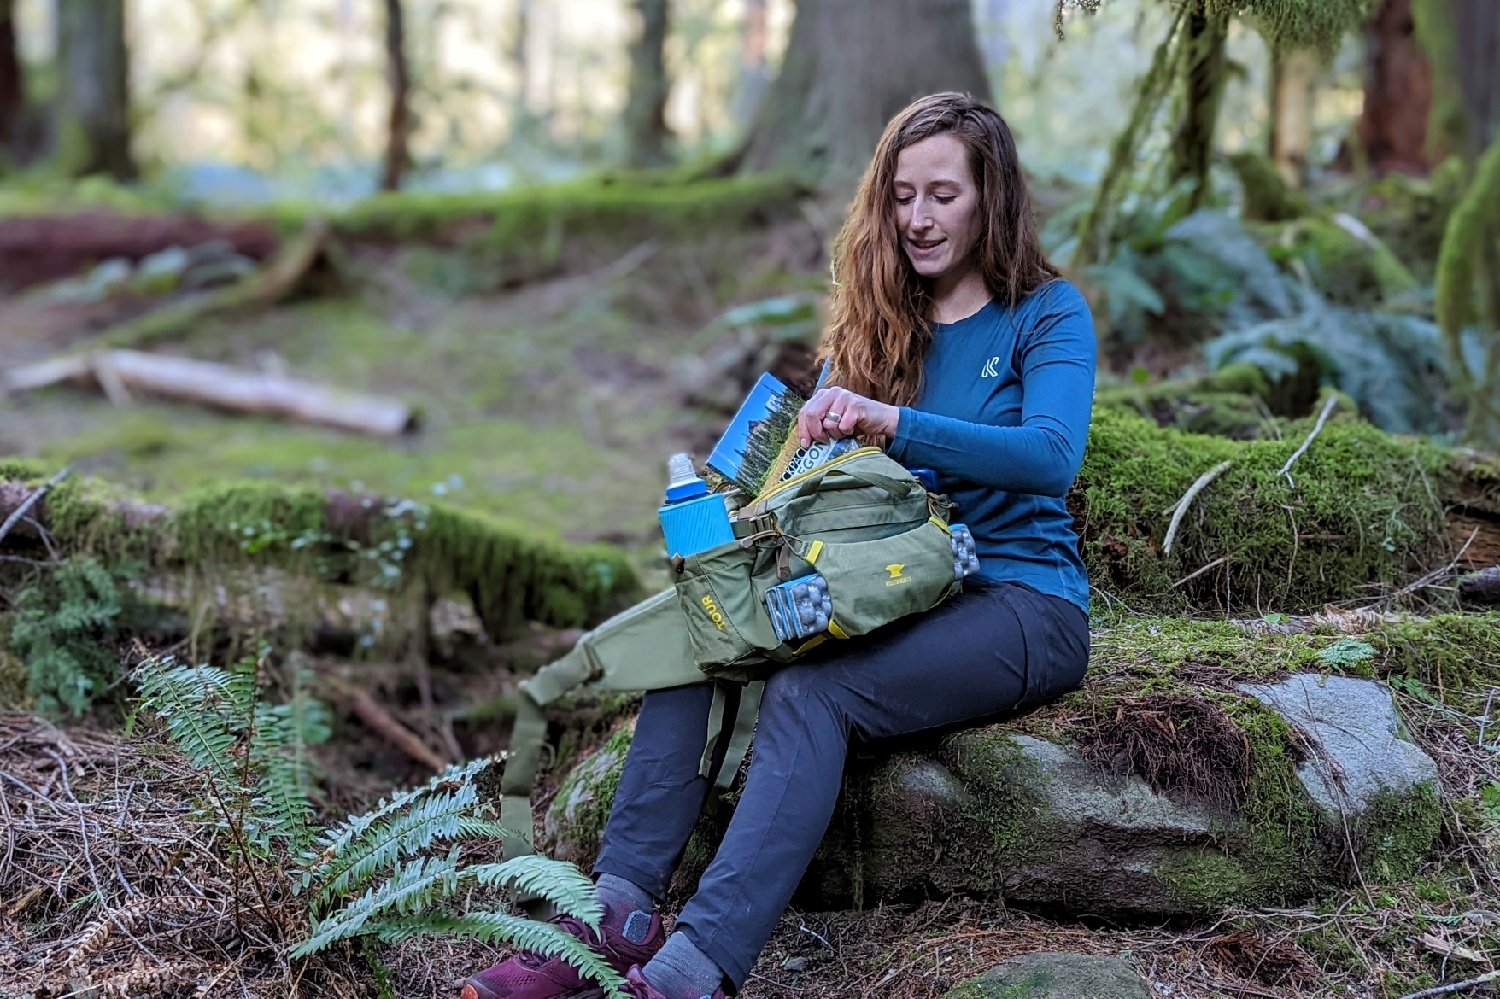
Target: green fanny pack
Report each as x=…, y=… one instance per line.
x=878, y=538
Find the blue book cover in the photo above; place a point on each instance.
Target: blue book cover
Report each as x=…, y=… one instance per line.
x=753, y=441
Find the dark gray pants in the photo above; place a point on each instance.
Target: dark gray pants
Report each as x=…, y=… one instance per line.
x=987, y=652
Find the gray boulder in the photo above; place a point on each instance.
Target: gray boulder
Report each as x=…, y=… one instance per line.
x=990, y=812
x=1046, y=975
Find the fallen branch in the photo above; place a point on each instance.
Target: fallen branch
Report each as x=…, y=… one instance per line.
x=1187, y=501
x=1469, y=983
x=382, y=722
x=31, y=501
x=123, y=372
x=1301, y=450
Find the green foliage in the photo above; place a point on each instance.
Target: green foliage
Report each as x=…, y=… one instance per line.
x=389, y=874
x=1268, y=197
x=1346, y=263
x=1318, y=24
x=252, y=754
x=64, y=628
x=1346, y=652
x=410, y=888
x=1392, y=365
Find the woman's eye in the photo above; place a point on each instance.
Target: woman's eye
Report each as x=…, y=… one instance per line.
x=904, y=199
x=943, y=199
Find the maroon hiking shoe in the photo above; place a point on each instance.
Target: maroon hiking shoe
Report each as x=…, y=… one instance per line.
x=637, y=987
x=626, y=941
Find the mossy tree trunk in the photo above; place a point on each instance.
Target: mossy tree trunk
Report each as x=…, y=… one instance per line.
x=398, y=118
x=849, y=66
x=91, y=120
x=1476, y=26
x=1392, y=128
x=1205, y=69
x=1294, y=74
x=646, y=135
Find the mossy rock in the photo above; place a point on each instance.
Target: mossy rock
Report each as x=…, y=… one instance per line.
x=574, y=823
x=1349, y=269
x=1268, y=197
x=1231, y=403
x=1049, y=975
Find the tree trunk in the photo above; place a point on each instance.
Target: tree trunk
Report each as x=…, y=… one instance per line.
x=1293, y=72
x=1476, y=25
x=646, y=135
x=1205, y=70
x=12, y=85
x=850, y=65
x=518, y=53
x=92, y=116
x=398, y=121
x=755, y=77
x=1392, y=128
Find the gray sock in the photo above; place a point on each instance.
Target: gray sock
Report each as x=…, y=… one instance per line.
x=623, y=895
x=681, y=971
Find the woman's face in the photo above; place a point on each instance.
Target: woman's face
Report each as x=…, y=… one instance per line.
x=937, y=208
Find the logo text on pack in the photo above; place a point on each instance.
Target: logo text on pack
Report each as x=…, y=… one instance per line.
x=897, y=579
x=712, y=610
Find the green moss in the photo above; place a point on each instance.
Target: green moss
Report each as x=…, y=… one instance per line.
x=589, y=805
x=1318, y=24
x=1200, y=405
x=1396, y=833
x=13, y=695
x=1409, y=214
x=1347, y=269
x=1360, y=509
x=1009, y=805
x=1204, y=880
x=1268, y=197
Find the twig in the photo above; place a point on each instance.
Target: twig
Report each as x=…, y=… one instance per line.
x=1431, y=578
x=1469, y=983
x=32, y=501
x=1317, y=429
x=384, y=723
x=1198, y=572
x=1187, y=501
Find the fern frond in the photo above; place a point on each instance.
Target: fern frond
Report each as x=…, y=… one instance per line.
x=437, y=818
x=282, y=805
x=189, y=699
x=558, y=881
x=320, y=859
x=517, y=931
x=415, y=886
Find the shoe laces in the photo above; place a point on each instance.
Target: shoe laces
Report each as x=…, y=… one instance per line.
x=570, y=925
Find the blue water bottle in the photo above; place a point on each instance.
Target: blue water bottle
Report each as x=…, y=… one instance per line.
x=692, y=519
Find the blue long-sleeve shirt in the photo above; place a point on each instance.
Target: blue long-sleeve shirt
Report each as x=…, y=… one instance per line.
x=1003, y=419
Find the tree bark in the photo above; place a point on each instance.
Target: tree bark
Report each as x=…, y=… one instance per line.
x=1476, y=25
x=850, y=65
x=398, y=119
x=1293, y=73
x=755, y=77
x=1205, y=71
x=92, y=114
x=646, y=135
x=12, y=85
x=1392, y=128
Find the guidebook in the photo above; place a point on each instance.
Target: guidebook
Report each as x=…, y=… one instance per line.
x=759, y=448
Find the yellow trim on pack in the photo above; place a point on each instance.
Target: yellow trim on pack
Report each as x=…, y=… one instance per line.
x=858, y=452
x=811, y=643
x=835, y=630
x=946, y=529
x=813, y=551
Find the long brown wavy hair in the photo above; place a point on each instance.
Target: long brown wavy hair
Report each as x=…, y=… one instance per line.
x=878, y=328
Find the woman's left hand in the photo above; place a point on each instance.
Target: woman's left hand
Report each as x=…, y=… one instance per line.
x=836, y=412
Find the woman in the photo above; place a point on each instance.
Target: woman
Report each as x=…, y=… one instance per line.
x=951, y=338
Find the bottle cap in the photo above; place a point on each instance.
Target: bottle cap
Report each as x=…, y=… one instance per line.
x=682, y=481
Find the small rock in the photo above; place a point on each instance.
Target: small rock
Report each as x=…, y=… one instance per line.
x=1046, y=975
x=794, y=964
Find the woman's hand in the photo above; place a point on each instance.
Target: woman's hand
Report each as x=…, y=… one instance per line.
x=836, y=412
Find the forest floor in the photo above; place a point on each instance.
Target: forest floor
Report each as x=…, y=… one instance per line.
x=558, y=402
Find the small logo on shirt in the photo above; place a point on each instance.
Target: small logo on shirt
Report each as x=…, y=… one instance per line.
x=991, y=368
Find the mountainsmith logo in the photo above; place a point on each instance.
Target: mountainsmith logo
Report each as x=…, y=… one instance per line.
x=991, y=368
x=712, y=610
x=896, y=569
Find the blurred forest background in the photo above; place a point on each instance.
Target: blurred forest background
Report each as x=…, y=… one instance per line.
x=343, y=342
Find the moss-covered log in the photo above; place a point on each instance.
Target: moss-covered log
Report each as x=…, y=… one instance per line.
x=408, y=548
x=1358, y=515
